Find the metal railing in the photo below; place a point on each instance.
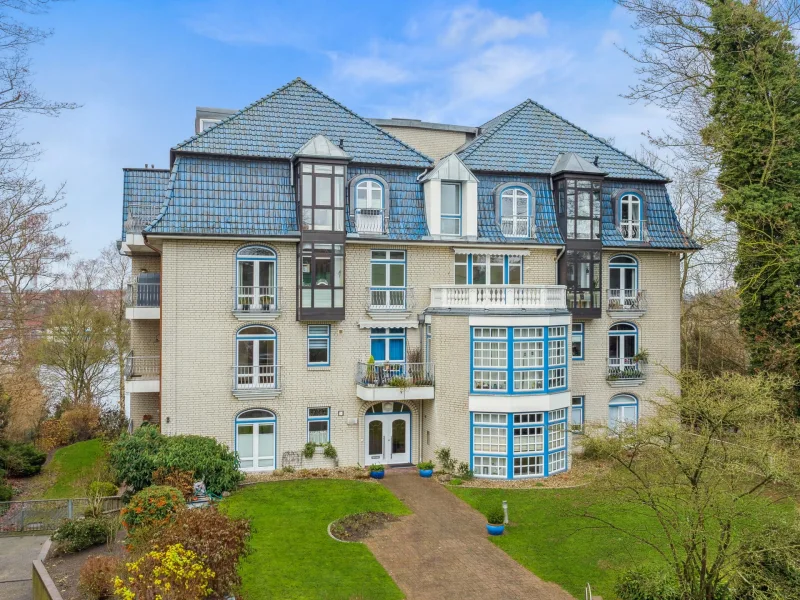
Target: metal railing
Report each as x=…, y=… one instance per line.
x=390, y=298
x=370, y=220
x=633, y=231
x=143, y=294
x=624, y=368
x=142, y=367
x=626, y=300
x=19, y=516
x=549, y=297
x=254, y=378
x=398, y=375
x=256, y=299
x=516, y=226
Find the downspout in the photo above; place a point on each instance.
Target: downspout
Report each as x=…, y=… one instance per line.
x=557, y=258
x=160, y=329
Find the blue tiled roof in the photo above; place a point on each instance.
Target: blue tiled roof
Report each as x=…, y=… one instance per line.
x=279, y=124
x=228, y=196
x=661, y=225
x=546, y=230
x=143, y=193
x=528, y=138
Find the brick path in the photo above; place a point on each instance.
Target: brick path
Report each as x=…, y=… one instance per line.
x=442, y=551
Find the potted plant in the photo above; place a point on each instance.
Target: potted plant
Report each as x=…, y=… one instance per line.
x=376, y=471
x=494, y=520
x=425, y=469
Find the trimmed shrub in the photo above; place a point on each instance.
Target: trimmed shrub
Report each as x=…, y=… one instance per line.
x=647, y=583
x=6, y=492
x=133, y=457
x=205, y=457
x=152, y=507
x=175, y=573
x=180, y=480
x=218, y=538
x=79, y=534
x=20, y=460
x=102, y=489
x=495, y=515
x=96, y=579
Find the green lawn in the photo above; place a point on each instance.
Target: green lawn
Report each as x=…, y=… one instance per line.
x=293, y=556
x=66, y=475
x=549, y=538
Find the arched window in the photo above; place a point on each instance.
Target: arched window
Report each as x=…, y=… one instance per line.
x=623, y=347
x=630, y=216
x=623, y=283
x=623, y=410
x=369, y=206
x=255, y=440
x=256, y=276
x=394, y=407
x=515, y=212
x=256, y=357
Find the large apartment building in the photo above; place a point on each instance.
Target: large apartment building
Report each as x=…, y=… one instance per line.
x=394, y=286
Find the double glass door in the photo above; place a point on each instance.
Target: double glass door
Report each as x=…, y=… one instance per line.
x=256, y=363
x=255, y=443
x=388, y=439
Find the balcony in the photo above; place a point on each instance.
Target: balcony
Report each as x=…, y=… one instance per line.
x=488, y=297
x=370, y=220
x=394, y=381
x=256, y=382
x=142, y=374
x=256, y=303
x=633, y=231
x=516, y=226
x=143, y=300
x=625, y=372
x=390, y=303
x=626, y=303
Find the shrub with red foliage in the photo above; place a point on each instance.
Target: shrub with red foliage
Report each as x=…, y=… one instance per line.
x=96, y=579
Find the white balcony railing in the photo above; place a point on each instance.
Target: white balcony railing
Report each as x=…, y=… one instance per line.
x=633, y=231
x=544, y=297
x=255, y=378
x=620, y=369
x=516, y=226
x=626, y=300
x=390, y=298
x=142, y=367
x=256, y=299
x=369, y=220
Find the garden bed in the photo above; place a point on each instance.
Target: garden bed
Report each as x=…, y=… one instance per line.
x=351, y=473
x=64, y=569
x=355, y=528
x=581, y=473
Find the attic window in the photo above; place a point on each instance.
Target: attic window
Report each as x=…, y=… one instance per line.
x=208, y=123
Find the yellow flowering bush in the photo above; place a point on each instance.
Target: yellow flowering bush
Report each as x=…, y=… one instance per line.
x=174, y=573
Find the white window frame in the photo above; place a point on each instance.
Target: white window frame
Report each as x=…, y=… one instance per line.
x=457, y=217
x=510, y=224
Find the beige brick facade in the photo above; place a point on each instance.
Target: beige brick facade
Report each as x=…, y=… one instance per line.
x=434, y=143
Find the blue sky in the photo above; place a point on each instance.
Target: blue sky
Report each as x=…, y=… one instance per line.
x=140, y=68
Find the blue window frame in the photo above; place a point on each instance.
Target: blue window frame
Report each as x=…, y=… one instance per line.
x=577, y=414
x=518, y=445
x=388, y=345
x=451, y=208
x=623, y=410
x=578, y=340
x=255, y=440
x=319, y=346
x=388, y=280
x=515, y=212
x=256, y=357
x=518, y=360
x=486, y=269
x=428, y=336
x=319, y=425
x=623, y=346
x=623, y=282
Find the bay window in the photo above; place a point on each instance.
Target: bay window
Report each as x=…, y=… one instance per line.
x=322, y=194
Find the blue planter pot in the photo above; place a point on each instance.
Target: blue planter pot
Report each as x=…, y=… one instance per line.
x=495, y=529
x=376, y=474
x=425, y=472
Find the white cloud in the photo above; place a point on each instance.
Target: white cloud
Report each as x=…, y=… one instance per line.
x=610, y=38
x=481, y=26
x=362, y=69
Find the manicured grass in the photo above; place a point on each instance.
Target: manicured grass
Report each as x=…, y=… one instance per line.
x=293, y=556
x=548, y=537
x=67, y=474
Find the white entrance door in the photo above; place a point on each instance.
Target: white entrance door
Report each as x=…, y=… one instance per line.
x=388, y=439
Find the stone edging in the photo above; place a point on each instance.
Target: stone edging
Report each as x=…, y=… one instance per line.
x=337, y=539
x=42, y=577
x=524, y=489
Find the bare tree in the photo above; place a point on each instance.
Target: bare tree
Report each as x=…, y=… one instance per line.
x=116, y=269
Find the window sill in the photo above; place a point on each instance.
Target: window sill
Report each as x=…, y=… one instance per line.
x=318, y=368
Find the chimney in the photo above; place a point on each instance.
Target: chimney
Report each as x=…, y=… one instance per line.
x=341, y=143
x=596, y=160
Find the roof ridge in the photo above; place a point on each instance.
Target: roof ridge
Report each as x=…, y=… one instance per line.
x=300, y=80
x=170, y=190
x=143, y=169
x=481, y=139
x=598, y=139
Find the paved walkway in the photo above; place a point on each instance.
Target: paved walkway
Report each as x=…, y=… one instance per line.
x=442, y=551
x=17, y=554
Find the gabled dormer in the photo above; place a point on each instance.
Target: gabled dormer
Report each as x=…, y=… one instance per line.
x=451, y=200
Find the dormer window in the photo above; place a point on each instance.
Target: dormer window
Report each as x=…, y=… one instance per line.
x=451, y=208
x=514, y=205
x=630, y=216
x=322, y=193
x=369, y=211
